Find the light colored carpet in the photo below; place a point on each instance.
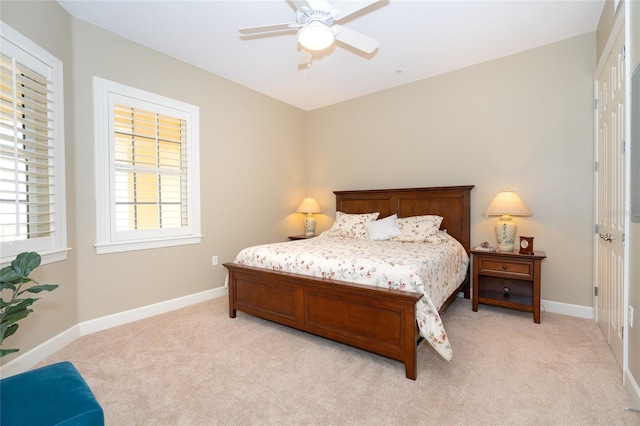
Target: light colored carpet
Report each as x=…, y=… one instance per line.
x=197, y=366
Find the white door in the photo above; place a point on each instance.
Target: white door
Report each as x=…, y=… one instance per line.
x=610, y=201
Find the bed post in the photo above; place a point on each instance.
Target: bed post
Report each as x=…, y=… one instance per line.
x=232, y=294
x=410, y=346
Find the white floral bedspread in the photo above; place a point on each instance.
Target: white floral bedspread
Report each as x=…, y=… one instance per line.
x=434, y=270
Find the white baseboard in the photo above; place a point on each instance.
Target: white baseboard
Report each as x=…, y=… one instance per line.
x=32, y=357
x=567, y=309
x=109, y=321
x=29, y=359
x=632, y=389
x=564, y=309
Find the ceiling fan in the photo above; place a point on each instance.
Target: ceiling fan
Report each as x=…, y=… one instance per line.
x=317, y=30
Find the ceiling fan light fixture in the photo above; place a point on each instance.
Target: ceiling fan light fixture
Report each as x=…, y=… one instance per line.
x=315, y=36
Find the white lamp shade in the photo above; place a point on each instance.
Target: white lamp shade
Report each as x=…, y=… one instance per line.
x=315, y=36
x=309, y=205
x=507, y=202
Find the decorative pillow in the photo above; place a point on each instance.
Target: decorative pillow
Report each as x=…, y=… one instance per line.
x=351, y=225
x=383, y=229
x=419, y=228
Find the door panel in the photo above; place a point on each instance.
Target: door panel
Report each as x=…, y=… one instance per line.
x=610, y=200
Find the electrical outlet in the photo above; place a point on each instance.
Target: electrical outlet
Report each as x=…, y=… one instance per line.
x=214, y=260
x=630, y=316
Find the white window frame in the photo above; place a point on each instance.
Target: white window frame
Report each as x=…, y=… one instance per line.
x=108, y=239
x=52, y=248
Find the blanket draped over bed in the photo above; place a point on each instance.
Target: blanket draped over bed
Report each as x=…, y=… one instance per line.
x=434, y=270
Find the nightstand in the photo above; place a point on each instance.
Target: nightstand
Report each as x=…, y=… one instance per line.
x=300, y=237
x=508, y=279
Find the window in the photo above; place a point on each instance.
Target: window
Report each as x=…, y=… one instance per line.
x=147, y=172
x=32, y=185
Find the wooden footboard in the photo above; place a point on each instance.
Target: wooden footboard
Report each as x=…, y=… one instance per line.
x=378, y=320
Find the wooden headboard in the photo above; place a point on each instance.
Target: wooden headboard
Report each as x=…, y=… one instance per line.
x=453, y=203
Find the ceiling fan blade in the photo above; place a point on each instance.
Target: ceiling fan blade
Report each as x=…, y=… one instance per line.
x=345, y=8
x=355, y=39
x=319, y=4
x=299, y=4
x=266, y=28
x=311, y=4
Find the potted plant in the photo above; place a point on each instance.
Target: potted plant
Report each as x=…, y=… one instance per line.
x=14, y=284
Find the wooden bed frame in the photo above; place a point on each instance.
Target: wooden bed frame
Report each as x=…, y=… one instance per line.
x=379, y=320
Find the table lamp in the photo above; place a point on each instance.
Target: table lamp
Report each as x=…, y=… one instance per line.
x=506, y=204
x=309, y=206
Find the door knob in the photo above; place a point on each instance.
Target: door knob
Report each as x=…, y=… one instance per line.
x=606, y=237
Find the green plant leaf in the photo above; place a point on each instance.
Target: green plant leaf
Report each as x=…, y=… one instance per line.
x=41, y=287
x=4, y=352
x=8, y=275
x=7, y=285
x=16, y=316
x=26, y=262
x=12, y=307
x=3, y=332
x=7, y=331
x=19, y=304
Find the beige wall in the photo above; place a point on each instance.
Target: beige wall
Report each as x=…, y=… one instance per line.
x=524, y=122
x=252, y=174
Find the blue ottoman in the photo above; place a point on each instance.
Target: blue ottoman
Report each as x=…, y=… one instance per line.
x=52, y=395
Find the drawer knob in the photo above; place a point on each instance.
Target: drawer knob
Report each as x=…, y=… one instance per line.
x=504, y=267
x=506, y=289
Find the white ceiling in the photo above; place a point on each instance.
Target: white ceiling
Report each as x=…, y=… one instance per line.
x=418, y=39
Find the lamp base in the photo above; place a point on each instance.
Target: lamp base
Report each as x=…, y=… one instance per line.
x=506, y=233
x=309, y=225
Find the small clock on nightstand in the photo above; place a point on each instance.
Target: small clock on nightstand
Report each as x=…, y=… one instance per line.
x=526, y=245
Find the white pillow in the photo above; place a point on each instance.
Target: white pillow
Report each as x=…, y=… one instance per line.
x=383, y=229
x=351, y=225
x=419, y=228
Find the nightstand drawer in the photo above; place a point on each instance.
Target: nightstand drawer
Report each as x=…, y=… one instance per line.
x=509, y=267
x=505, y=287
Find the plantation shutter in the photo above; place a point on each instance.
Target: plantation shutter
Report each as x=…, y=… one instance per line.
x=27, y=153
x=151, y=170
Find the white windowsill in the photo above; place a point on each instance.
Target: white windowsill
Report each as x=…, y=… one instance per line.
x=103, y=248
